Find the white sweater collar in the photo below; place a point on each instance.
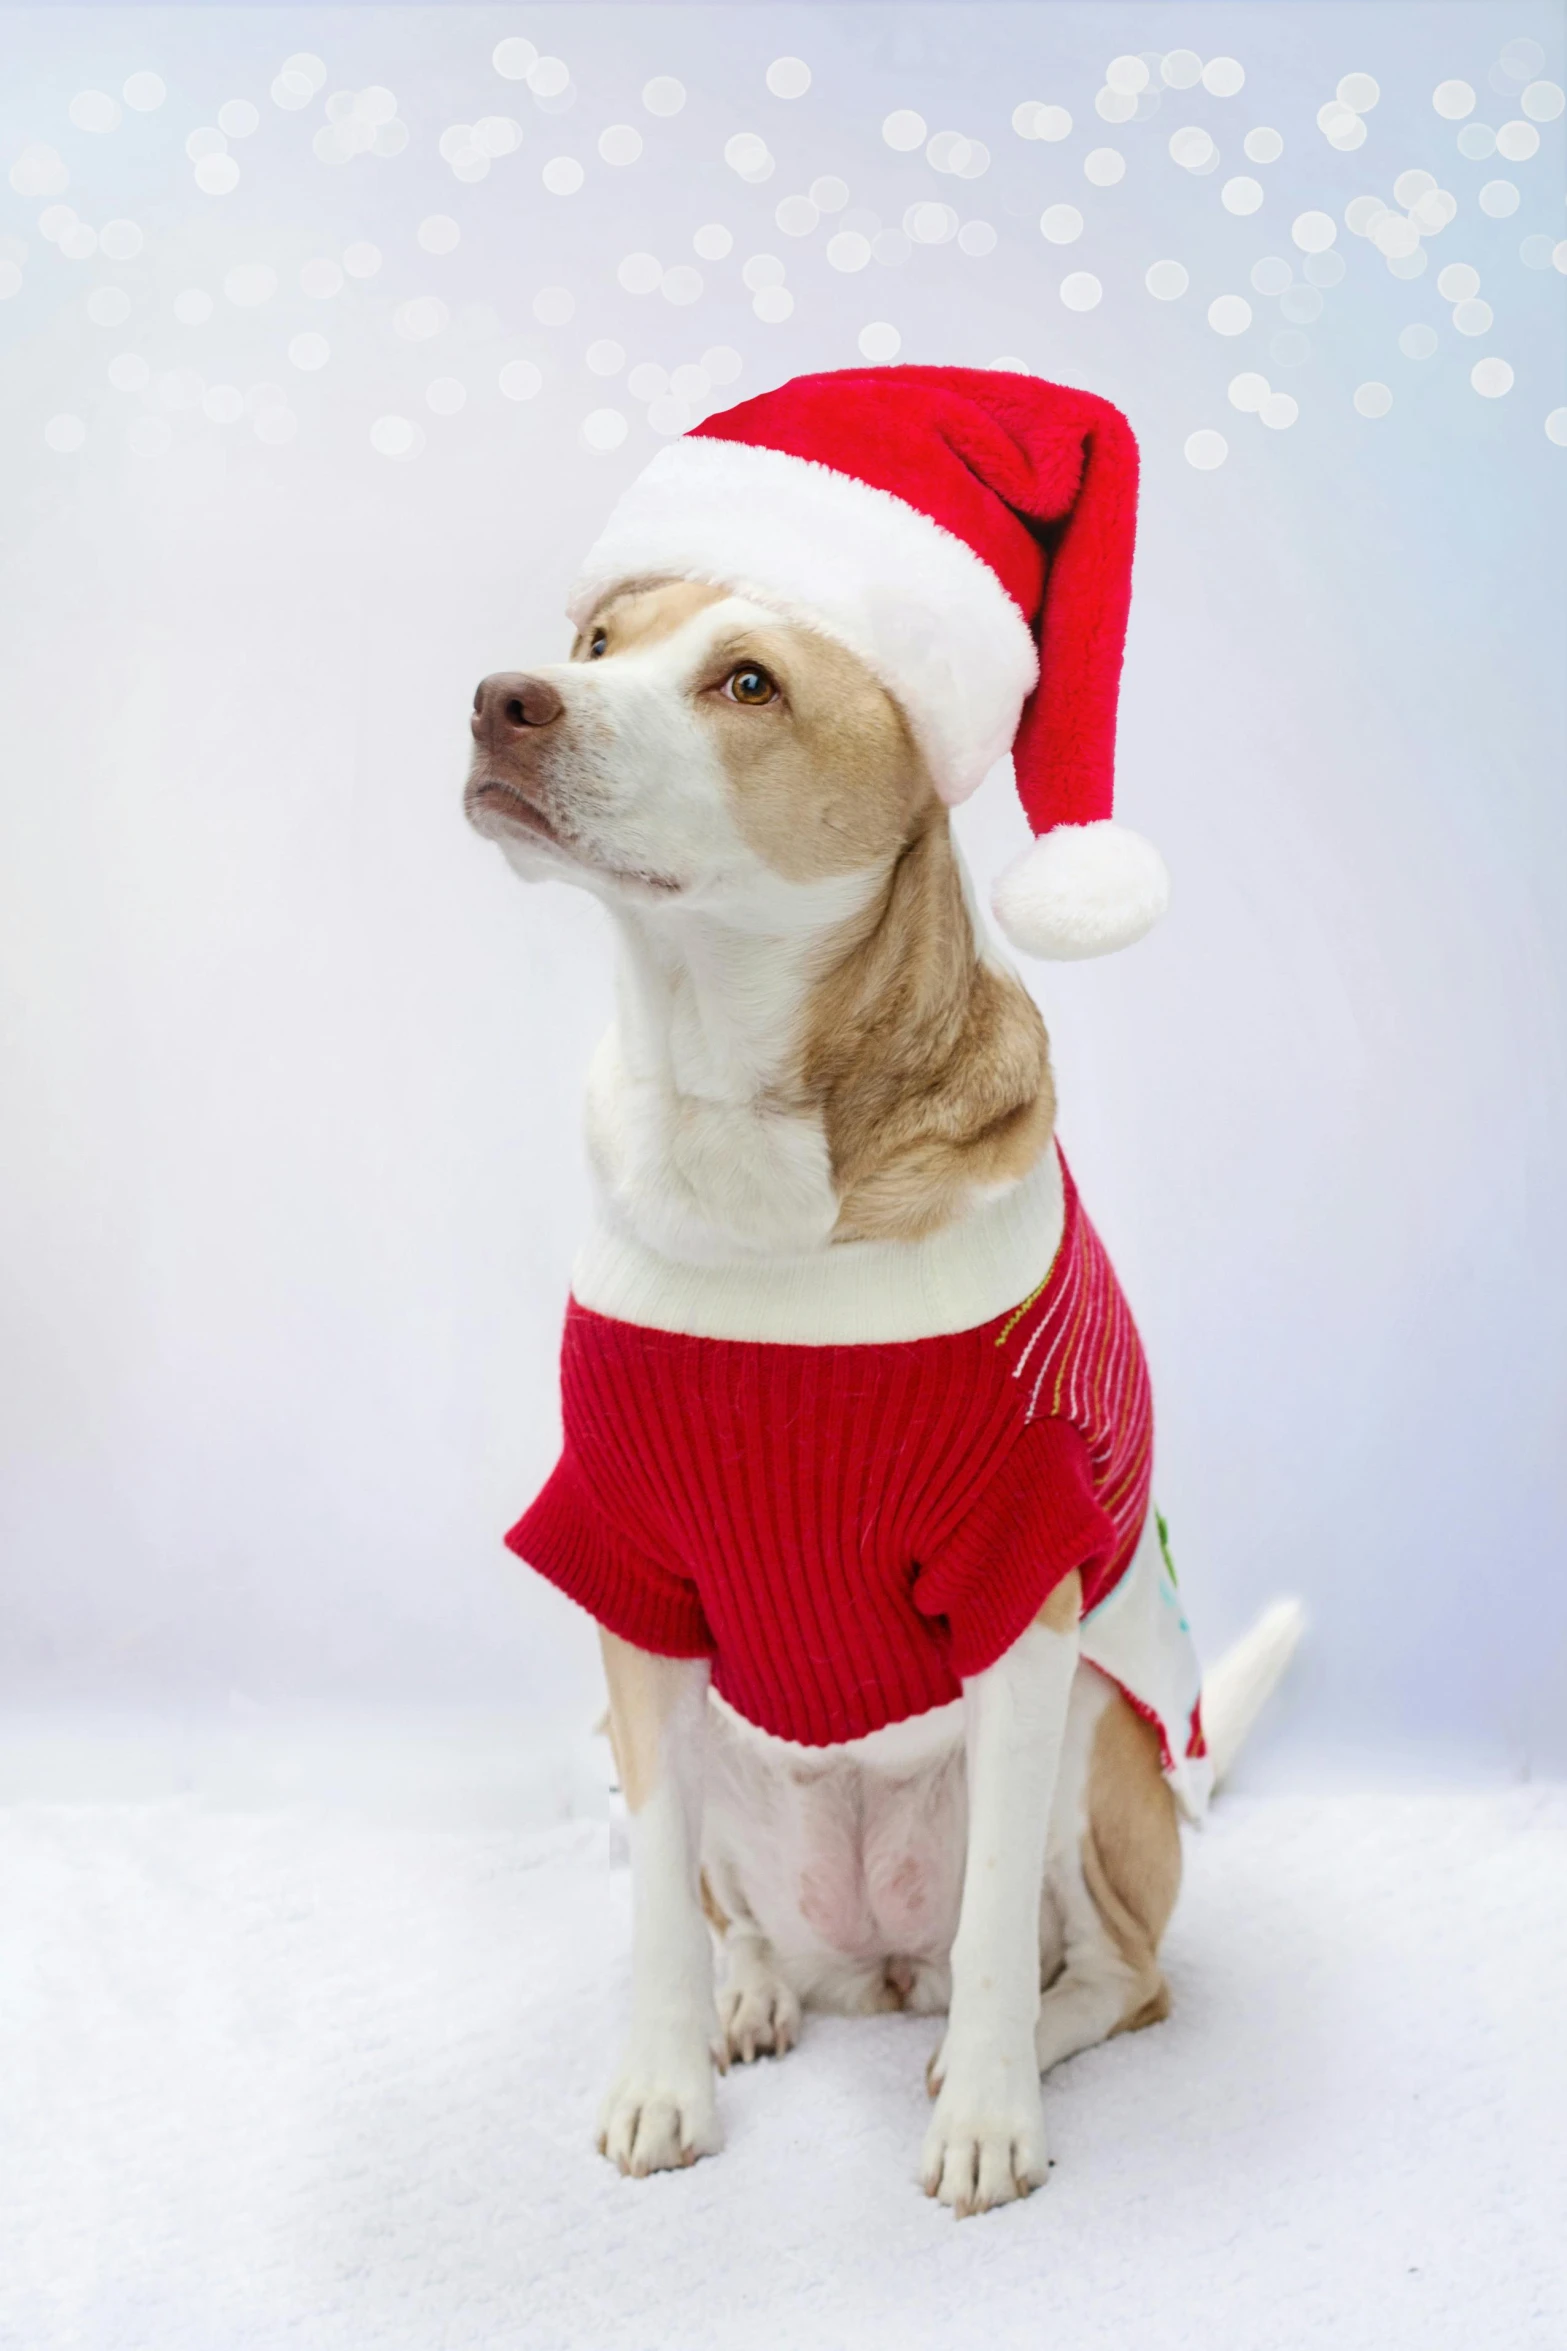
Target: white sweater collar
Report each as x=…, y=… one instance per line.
x=855, y=1294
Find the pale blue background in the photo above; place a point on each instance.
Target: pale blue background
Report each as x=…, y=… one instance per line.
x=290, y=1066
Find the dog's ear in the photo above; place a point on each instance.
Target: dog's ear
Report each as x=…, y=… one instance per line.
x=932, y=1068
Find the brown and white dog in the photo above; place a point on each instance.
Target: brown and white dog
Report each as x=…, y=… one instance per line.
x=814, y=1044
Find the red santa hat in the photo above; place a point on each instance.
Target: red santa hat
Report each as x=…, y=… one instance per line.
x=969, y=535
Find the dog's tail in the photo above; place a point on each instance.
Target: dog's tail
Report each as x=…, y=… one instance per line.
x=1235, y=1691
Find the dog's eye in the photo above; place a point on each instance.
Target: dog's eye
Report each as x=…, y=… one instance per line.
x=750, y=685
x=598, y=645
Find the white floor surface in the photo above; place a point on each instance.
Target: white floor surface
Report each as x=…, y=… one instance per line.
x=295, y=2078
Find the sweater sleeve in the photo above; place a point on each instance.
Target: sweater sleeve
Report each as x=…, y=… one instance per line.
x=1037, y=1520
x=566, y=1537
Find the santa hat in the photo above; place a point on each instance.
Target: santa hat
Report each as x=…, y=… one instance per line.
x=969, y=535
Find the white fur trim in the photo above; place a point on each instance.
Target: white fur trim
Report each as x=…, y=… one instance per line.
x=920, y=608
x=1083, y=889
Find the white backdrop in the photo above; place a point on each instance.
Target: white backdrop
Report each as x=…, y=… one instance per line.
x=291, y=1066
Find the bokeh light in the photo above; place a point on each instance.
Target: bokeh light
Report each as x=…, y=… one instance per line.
x=849, y=250
x=394, y=436
x=420, y=320
x=94, y=111
x=788, y=77
x=1516, y=142
x=1061, y=224
x=604, y=429
x=1453, y=100
x=1229, y=314
x=722, y=363
x=1034, y=120
x=250, y=284
x=903, y=130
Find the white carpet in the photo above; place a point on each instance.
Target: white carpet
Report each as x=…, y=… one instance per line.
x=295, y=2078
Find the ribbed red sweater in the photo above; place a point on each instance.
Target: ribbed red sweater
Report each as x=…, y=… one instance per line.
x=848, y=1531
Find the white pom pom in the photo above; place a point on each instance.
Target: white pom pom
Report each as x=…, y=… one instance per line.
x=1083, y=889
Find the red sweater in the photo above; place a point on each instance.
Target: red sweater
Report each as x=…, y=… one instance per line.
x=848, y=1531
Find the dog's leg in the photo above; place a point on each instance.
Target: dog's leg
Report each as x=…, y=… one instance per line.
x=986, y=2142
x=660, y=2111
x=1115, y=1887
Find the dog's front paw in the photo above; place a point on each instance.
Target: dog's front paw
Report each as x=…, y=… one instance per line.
x=761, y=2018
x=986, y=2141
x=660, y=2113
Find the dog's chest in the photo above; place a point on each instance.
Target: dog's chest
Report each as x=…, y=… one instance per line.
x=698, y=1161
x=851, y=1853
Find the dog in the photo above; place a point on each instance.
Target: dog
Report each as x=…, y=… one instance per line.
x=818, y=1058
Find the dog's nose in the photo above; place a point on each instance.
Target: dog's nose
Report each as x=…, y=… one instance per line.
x=509, y=704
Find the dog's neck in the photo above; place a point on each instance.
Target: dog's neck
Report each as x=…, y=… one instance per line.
x=847, y=1062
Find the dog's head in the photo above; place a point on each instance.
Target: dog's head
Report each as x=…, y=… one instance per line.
x=697, y=749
